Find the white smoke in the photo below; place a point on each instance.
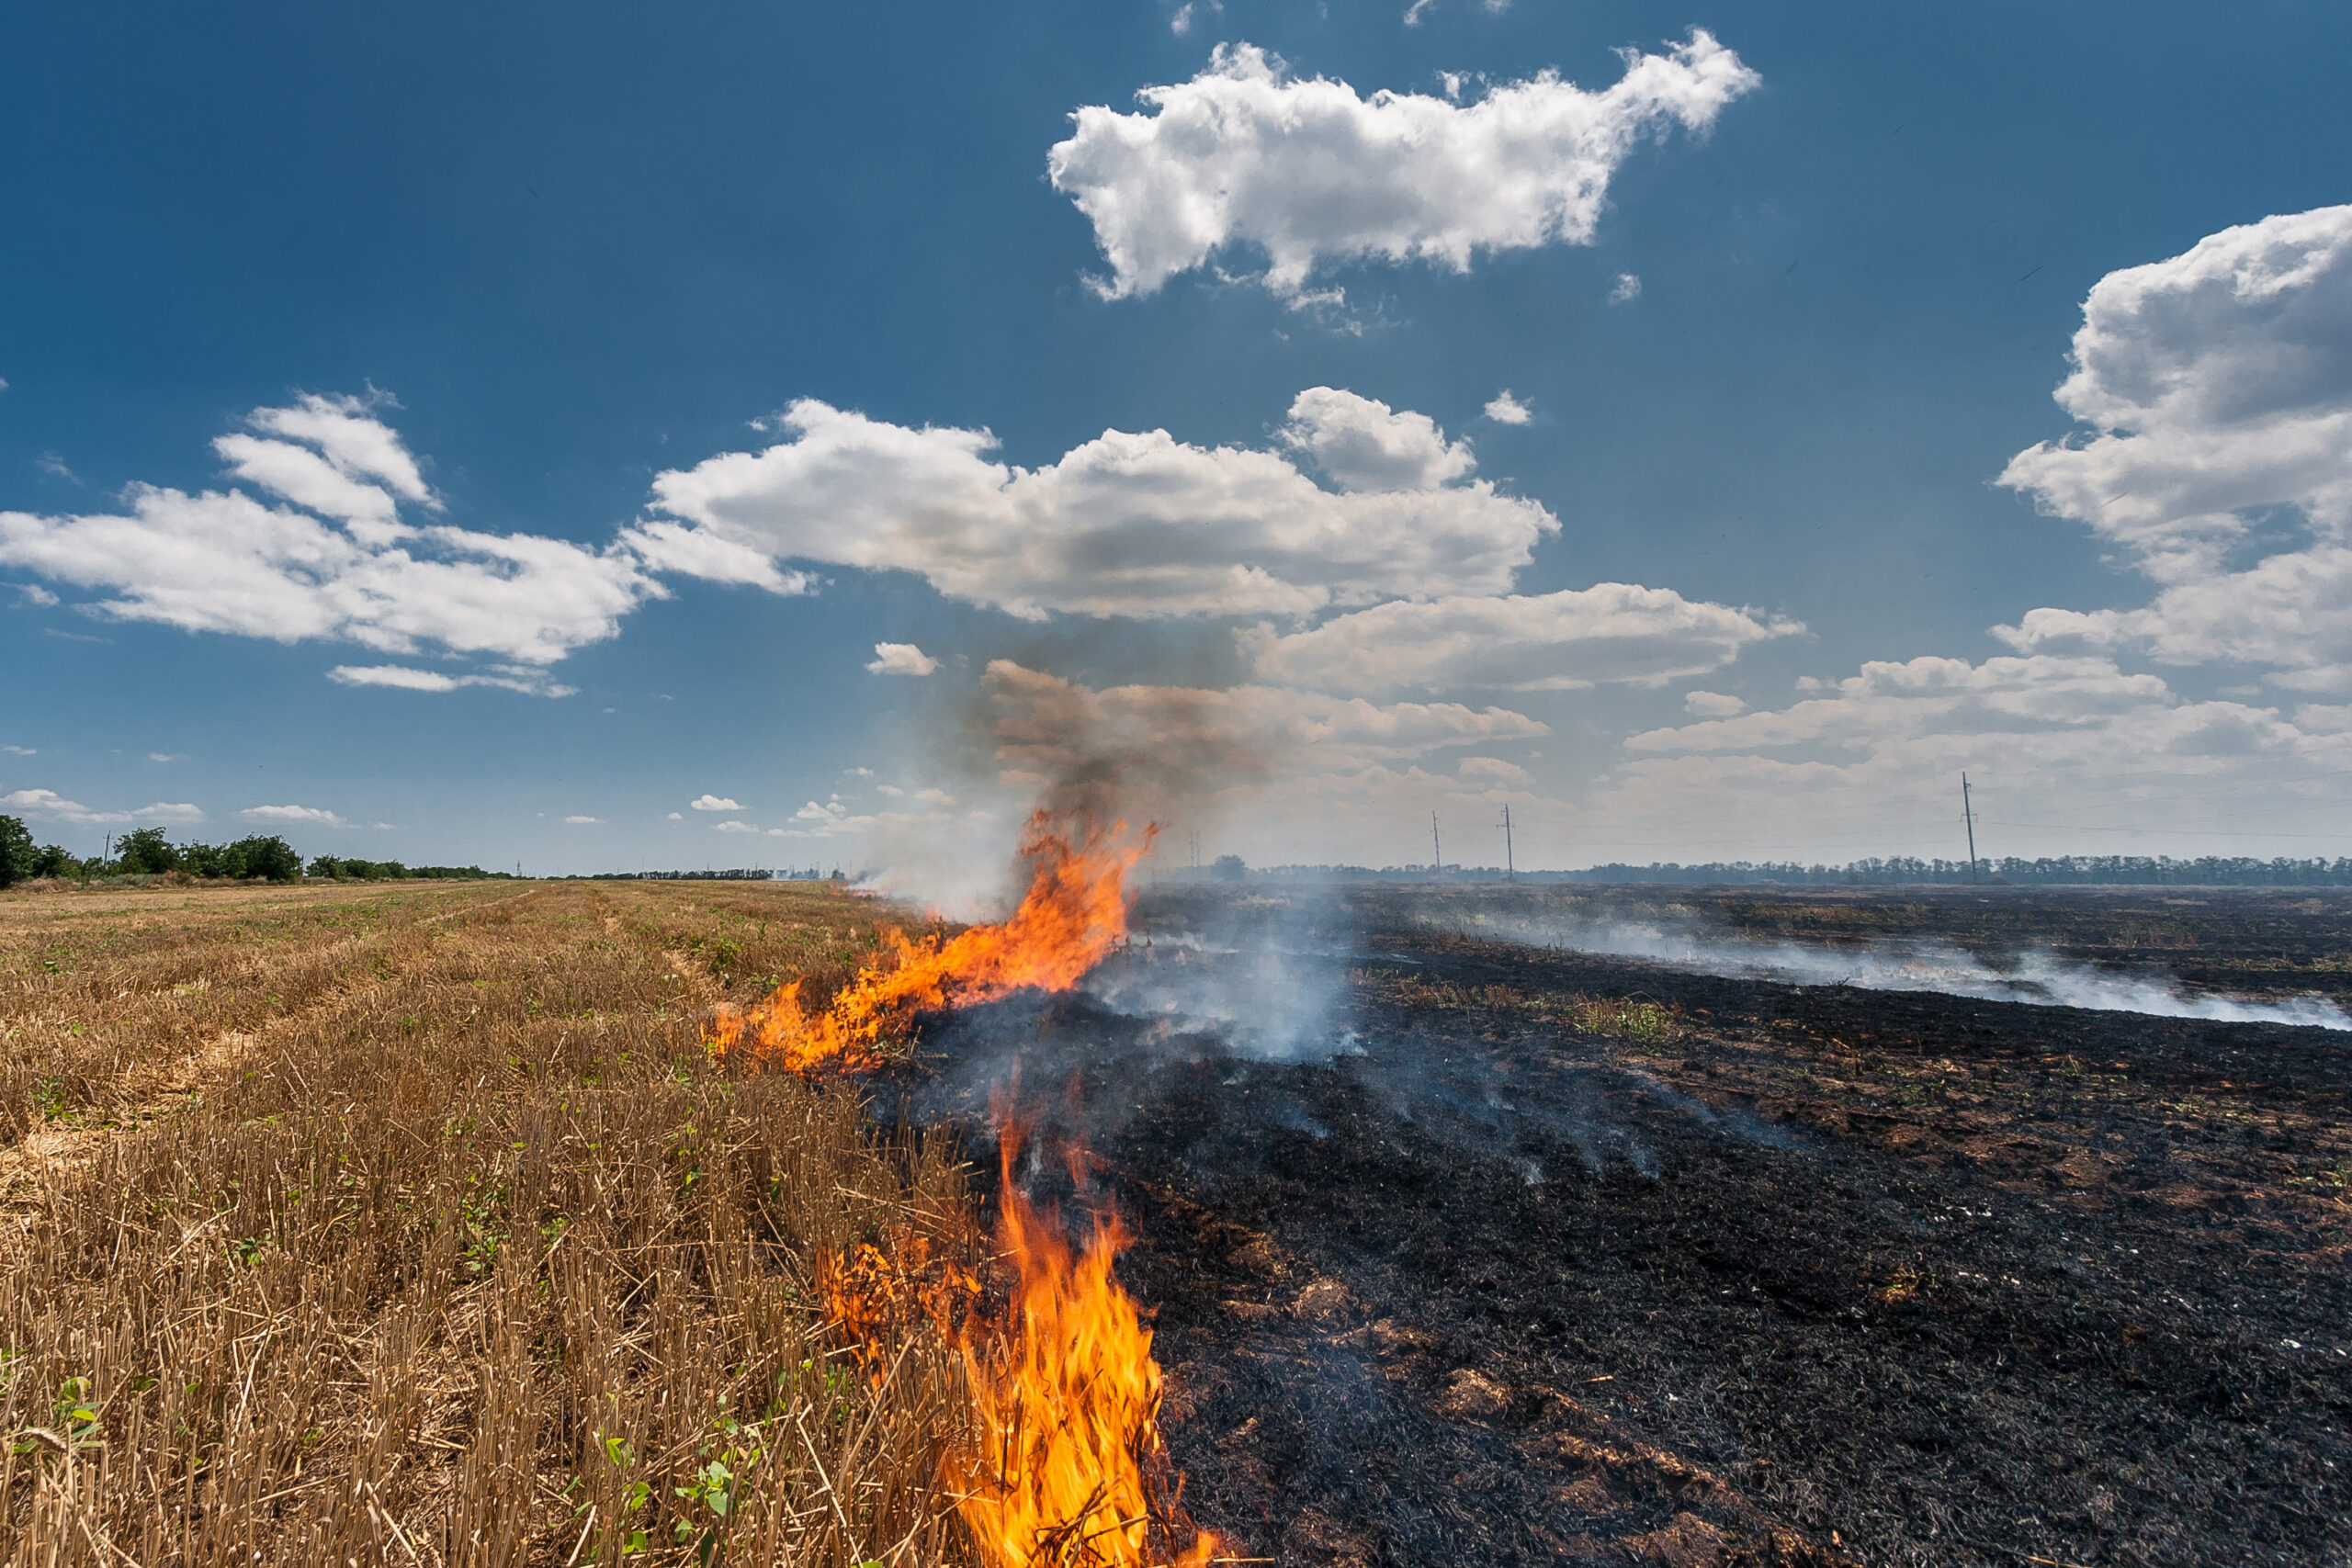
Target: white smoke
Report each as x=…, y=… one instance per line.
x=2037, y=976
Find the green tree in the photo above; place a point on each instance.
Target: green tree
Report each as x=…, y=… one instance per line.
x=17, y=856
x=146, y=850
x=53, y=860
x=1228, y=868
x=261, y=858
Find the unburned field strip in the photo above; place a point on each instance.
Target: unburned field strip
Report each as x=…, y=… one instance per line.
x=426, y=1231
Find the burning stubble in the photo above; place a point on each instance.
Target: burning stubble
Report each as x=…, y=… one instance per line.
x=1065, y=1464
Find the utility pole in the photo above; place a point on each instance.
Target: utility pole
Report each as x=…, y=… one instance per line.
x=1968, y=815
x=1510, y=870
x=1437, y=852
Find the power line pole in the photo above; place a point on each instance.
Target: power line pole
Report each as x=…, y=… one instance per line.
x=1437, y=852
x=1510, y=870
x=1968, y=815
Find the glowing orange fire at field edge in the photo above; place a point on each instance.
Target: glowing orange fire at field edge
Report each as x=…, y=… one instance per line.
x=1074, y=912
x=1070, y=1470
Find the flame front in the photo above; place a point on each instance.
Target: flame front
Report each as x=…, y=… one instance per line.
x=1074, y=912
x=1067, y=1467
x=1070, y=1466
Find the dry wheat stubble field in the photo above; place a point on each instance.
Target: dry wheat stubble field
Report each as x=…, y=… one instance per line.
x=413, y=1224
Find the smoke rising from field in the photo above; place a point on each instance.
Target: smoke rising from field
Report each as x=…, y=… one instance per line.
x=2037, y=976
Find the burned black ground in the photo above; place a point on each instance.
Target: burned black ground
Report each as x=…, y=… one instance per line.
x=1757, y=1273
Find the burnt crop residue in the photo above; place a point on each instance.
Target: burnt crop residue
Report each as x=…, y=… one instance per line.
x=1488, y=1252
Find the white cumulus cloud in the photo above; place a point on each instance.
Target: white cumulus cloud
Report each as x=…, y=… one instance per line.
x=1137, y=525
x=1361, y=443
x=1312, y=173
x=312, y=816
x=1612, y=632
x=902, y=658
x=2209, y=384
x=408, y=678
x=2215, y=392
x=1495, y=768
x=580, y=821
x=331, y=557
x=2069, y=754
x=1504, y=409
x=48, y=803
x=712, y=803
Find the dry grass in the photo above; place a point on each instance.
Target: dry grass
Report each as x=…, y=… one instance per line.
x=412, y=1225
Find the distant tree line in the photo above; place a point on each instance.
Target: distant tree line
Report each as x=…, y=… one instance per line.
x=2051, y=871
x=2048, y=870
x=738, y=874
x=148, y=852
x=347, y=868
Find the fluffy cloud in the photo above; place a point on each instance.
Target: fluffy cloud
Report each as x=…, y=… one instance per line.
x=1504, y=409
x=1362, y=444
x=836, y=818
x=2017, y=699
x=1611, y=632
x=2212, y=384
x=305, y=816
x=2217, y=391
x=1712, y=704
x=1626, y=289
x=700, y=552
x=712, y=803
x=902, y=658
x=408, y=678
x=1137, y=525
x=1313, y=173
x=1491, y=768
x=2292, y=611
x=580, y=821
x=2068, y=754
x=48, y=803
x=331, y=557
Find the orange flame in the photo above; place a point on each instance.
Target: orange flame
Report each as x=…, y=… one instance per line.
x=1074, y=913
x=878, y=1298
x=1071, y=1470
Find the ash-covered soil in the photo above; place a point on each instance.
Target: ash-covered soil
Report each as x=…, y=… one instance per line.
x=1498, y=1254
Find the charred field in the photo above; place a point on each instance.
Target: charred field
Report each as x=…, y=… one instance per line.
x=1466, y=1250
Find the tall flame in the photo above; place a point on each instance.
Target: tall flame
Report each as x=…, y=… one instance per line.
x=1070, y=1468
x=1074, y=912
x=1067, y=1469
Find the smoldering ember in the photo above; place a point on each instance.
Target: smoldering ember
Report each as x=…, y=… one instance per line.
x=1167, y=783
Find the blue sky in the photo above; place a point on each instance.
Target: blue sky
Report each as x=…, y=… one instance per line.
x=554, y=255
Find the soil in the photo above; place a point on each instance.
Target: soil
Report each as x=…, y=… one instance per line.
x=1514, y=1255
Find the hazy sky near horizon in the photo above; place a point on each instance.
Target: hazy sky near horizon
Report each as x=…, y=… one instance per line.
x=609, y=437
